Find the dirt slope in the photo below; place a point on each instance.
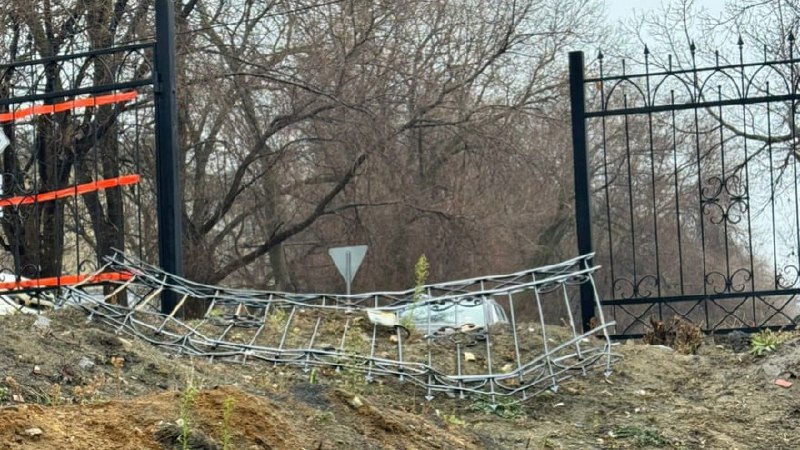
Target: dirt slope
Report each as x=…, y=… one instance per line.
x=60, y=390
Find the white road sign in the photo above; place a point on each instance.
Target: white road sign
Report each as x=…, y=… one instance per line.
x=347, y=260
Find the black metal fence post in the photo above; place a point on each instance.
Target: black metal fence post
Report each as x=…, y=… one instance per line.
x=583, y=216
x=170, y=249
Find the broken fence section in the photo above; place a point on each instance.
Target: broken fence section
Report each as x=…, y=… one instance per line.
x=462, y=338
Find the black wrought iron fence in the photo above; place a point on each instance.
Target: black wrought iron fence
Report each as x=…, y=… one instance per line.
x=687, y=190
x=89, y=159
x=73, y=162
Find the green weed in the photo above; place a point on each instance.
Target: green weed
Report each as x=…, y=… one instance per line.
x=227, y=415
x=641, y=436
x=324, y=417
x=451, y=419
x=187, y=402
x=421, y=270
x=277, y=318
x=504, y=408
x=767, y=341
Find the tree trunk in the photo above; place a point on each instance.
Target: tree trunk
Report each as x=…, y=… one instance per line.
x=280, y=269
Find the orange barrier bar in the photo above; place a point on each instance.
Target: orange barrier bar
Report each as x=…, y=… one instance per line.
x=86, y=102
x=66, y=280
x=80, y=189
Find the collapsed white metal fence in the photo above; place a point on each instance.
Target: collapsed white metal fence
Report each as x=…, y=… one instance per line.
x=461, y=338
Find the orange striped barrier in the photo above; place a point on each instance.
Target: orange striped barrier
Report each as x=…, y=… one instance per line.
x=65, y=280
x=79, y=189
x=87, y=102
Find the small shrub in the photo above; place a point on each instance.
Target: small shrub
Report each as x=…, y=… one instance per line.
x=353, y=379
x=451, y=419
x=407, y=323
x=349, y=374
x=641, y=436
x=682, y=335
x=187, y=402
x=89, y=393
x=119, y=363
x=227, y=415
x=277, y=318
x=54, y=395
x=16, y=389
x=504, y=408
x=767, y=341
x=688, y=336
x=324, y=417
x=421, y=269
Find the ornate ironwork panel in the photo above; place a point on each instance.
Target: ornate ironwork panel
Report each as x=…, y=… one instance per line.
x=690, y=198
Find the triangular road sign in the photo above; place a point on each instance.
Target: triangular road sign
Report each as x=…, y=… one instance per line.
x=347, y=260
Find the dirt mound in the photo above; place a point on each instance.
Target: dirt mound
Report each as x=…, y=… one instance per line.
x=69, y=384
x=137, y=424
x=61, y=389
x=255, y=422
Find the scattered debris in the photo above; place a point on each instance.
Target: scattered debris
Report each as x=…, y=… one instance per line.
x=469, y=327
x=85, y=363
x=42, y=324
x=356, y=402
x=783, y=383
x=382, y=318
x=33, y=432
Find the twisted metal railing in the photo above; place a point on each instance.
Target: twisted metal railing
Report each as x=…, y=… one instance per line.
x=499, y=356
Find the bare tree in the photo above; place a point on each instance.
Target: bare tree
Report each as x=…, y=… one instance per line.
x=354, y=111
x=434, y=127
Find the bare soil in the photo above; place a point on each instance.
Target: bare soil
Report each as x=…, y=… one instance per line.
x=60, y=390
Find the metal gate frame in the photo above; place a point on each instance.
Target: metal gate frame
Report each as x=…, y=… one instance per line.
x=734, y=296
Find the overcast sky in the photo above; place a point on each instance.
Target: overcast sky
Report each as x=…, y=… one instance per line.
x=623, y=9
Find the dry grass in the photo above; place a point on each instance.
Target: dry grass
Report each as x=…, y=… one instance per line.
x=680, y=334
